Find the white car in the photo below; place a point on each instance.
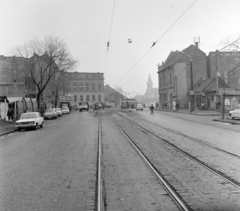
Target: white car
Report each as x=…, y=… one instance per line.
x=65, y=110
x=59, y=112
x=139, y=107
x=30, y=120
x=235, y=113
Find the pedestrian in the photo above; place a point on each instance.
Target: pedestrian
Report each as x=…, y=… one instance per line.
x=10, y=114
x=151, y=109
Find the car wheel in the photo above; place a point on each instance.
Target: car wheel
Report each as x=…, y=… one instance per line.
x=19, y=129
x=35, y=128
x=41, y=126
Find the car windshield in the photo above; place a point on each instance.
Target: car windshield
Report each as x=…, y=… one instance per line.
x=65, y=108
x=49, y=110
x=28, y=116
x=57, y=109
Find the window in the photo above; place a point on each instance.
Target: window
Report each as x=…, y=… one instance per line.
x=93, y=98
x=87, y=99
x=164, y=80
x=75, y=98
x=160, y=82
x=81, y=86
x=170, y=78
x=74, y=87
x=81, y=97
x=87, y=87
x=99, y=86
x=99, y=98
x=93, y=86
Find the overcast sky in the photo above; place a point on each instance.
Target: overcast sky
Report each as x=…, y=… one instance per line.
x=87, y=25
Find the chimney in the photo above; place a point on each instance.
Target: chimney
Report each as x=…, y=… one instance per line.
x=196, y=44
x=196, y=41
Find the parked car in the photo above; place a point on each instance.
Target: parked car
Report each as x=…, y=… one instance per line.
x=59, y=112
x=83, y=106
x=65, y=110
x=50, y=113
x=235, y=113
x=139, y=107
x=30, y=120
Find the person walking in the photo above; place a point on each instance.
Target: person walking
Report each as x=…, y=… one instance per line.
x=10, y=115
x=151, y=109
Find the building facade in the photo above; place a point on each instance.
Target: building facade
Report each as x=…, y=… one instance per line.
x=84, y=87
x=174, y=79
x=12, y=81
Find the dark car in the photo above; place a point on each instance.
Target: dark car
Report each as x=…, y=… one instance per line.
x=83, y=106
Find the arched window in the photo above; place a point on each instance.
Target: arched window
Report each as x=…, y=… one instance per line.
x=99, y=86
x=87, y=87
x=93, y=86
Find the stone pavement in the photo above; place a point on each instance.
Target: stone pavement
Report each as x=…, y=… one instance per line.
x=195, y=112
x=217, y=114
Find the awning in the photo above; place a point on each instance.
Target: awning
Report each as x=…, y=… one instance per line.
x=14, y=99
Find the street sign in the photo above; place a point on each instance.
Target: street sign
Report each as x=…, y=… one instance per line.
x=191, y=92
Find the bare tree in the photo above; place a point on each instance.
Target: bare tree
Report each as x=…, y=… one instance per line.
x=45, y=61
x=229, y=45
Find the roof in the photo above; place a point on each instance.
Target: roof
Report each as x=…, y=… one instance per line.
x=209, y=85
x=177, y=57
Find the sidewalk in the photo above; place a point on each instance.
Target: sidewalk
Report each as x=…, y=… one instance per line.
x=6, y=127
x=217, y=114
x=195, y=112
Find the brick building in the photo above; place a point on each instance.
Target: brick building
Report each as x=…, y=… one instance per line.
x=84, y=87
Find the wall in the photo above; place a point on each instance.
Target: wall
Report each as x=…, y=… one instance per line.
x=180, y=73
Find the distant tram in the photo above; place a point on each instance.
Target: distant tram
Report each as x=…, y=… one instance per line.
x=128, y=104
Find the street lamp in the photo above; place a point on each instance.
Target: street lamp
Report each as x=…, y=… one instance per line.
x=191, y=82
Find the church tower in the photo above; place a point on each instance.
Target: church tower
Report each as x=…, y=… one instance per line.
x=149, y=83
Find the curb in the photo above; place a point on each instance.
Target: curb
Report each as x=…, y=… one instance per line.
x=8, y=132
x=199, y=114
x=227, y=121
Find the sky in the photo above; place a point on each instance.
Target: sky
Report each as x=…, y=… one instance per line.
x=87, y=25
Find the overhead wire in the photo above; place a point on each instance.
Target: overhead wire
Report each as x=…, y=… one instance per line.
x=109, y=36
x=154, y=43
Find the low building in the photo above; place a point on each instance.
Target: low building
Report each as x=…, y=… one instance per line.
x=112, y=96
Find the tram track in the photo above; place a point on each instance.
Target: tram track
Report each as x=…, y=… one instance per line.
x=175, y=196
x=226, y=178
x=205, y=165
x=198, y=141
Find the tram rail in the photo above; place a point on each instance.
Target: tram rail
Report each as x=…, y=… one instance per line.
x=205, y=165
x=175, y=196
x=198, y=141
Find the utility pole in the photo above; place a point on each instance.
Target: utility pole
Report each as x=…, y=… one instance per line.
x=191, y=82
